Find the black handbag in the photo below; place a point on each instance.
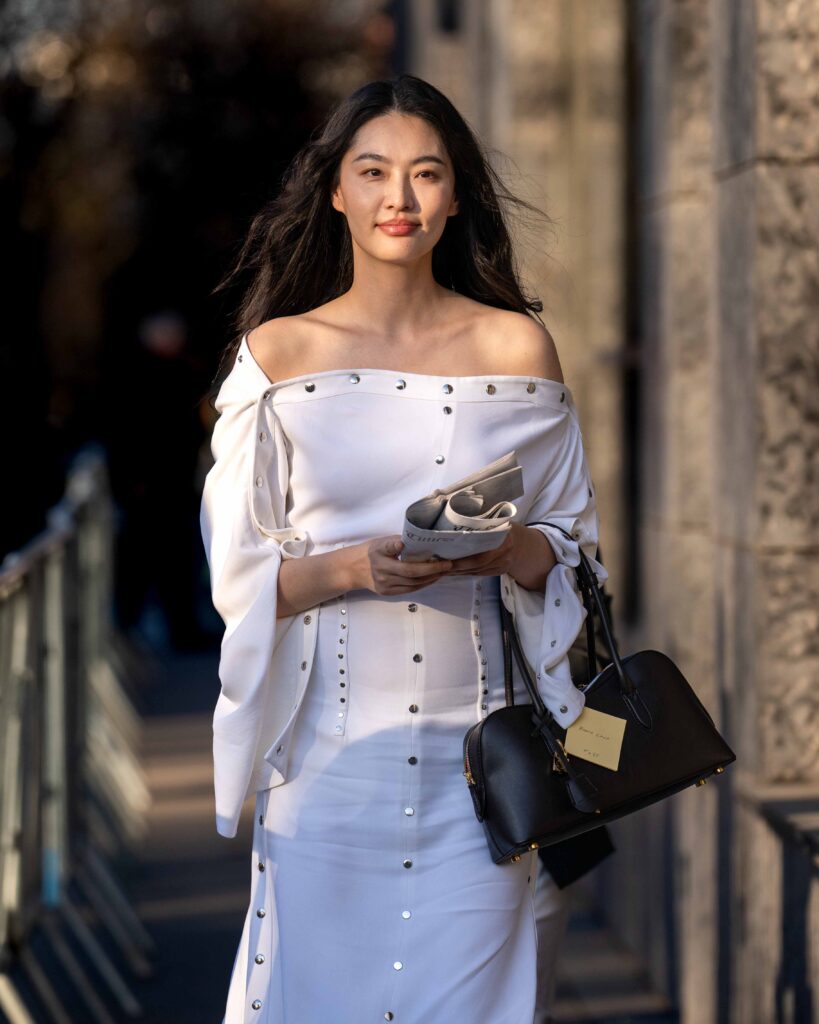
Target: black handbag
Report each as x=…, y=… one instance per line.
x=528, y=792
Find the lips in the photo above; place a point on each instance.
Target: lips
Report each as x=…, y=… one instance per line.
x=401, y=227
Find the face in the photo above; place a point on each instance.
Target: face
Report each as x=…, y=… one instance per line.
x=396, y=169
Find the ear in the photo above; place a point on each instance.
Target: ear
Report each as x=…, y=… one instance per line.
x=453, y=206
x=337, y=201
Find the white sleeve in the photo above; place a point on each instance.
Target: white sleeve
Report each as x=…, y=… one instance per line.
x=245, y=541
x=548, y=622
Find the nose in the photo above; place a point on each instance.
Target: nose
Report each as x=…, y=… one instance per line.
x=399, y=192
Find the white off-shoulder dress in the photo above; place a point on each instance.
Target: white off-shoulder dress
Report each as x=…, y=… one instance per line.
x=373, y=894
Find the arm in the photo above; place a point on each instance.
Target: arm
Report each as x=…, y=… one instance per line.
x=534, y=560
x=371, y=565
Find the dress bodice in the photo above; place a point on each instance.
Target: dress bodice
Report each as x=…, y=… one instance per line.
x=363, y=444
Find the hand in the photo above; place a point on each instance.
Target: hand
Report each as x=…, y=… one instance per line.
x=526, y=555
x=377, y=568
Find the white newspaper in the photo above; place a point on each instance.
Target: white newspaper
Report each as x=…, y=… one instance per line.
x=469, y=517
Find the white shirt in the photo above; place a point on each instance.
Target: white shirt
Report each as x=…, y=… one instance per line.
x=265, y=662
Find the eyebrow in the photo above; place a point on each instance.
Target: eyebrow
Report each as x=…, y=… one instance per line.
x=430, y=158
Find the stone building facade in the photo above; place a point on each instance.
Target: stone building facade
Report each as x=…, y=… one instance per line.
x=675, y=145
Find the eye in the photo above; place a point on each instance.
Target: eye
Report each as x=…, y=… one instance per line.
x=432, y=173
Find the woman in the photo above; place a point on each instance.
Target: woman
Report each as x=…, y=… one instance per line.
x=385, y=350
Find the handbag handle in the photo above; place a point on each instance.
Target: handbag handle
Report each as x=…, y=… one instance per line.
x=581, y=789
x=592, y=599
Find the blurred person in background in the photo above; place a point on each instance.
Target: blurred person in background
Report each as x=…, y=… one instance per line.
x=154, y=434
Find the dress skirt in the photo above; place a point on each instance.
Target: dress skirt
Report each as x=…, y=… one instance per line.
x=373, y=894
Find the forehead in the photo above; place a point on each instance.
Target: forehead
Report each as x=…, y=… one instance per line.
x=397, y=136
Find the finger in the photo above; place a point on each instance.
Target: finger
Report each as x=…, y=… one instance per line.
x=413, y=569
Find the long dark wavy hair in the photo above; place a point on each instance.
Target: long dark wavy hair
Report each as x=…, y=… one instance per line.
x=474, y=255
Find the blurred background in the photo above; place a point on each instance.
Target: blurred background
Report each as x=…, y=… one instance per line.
x=675, y=145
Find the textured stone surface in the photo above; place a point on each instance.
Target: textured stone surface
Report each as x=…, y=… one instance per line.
x=690, y=410
x=787, y=79
x=787, y=304
x=689, y=94
x=734, y=59
x=758, y=917
x=735, y=378
x=695, y=815
x=787, y=629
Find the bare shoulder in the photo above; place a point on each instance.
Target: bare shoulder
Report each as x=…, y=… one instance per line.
x=277, y=344
x=528, y=347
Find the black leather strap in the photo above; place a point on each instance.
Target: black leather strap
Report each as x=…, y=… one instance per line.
x=581, y=789
x=592, y=599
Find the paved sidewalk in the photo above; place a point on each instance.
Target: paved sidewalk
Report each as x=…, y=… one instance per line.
x=192, y=885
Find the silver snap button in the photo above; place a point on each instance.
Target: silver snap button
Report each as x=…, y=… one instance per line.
x=409, y=811
x=260, y=866
x=400, y=384
x=407, y=863
x=439, y=459
x=557, y=601
x=490, y=389
x=259, y=481
x=553, y=643
x=354, y=378
x=338, y=728
x=388, y=1015
x=397, y=965
x=259, y=958
x=417, y=657
x=563, y=708
x=562, y=395
x=309, y=386
x=303, y=665
x=307, y=618
x=256, y=1004
x=240, y=357
x=261, y=912
x=406, y=914
x=530, y=387
x=262, y=436
x=448, y=389
x=413, y=607
x=279, y=749
x=266, y=394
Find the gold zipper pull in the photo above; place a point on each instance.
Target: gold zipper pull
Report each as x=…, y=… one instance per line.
x=468, y=776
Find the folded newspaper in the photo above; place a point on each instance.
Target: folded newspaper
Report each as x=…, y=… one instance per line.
x=469, y=517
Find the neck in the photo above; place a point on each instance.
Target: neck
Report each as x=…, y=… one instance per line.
x=395, y=301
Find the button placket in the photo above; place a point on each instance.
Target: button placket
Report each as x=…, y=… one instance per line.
x=447, y=424
x=476, y=631
x=342, y=704
x=409, y=809
x=260, y=939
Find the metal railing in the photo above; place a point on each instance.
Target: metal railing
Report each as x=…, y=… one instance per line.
x=72, y=793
